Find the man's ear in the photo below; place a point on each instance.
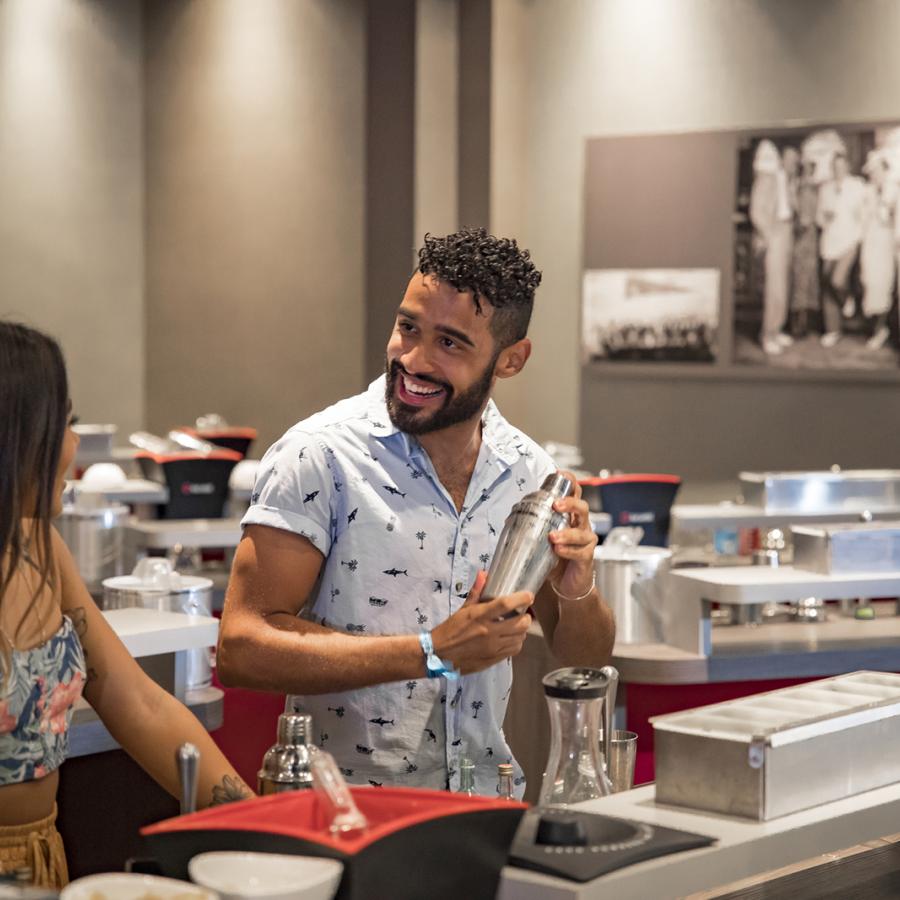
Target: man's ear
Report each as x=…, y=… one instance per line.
x=512, y=359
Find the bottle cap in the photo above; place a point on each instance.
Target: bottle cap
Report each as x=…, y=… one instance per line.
x=576, y=683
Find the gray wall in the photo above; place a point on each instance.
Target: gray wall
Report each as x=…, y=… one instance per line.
x=391, y=33
x=246, y=133
x=613, y=68
x=71, y=192
x=255, y=161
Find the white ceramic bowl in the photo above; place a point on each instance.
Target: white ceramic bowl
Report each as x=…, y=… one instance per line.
x=125, y=886
x=266, y=876
x=102, y=476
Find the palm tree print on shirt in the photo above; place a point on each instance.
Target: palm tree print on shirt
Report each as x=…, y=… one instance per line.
x=476, y=705
x=410, y=686
x=420, y=537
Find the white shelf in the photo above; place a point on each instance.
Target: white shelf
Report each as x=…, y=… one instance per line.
x=739, y=515
x=166, y=533
x=134, y=490
x=149, y=632
x=762, y=584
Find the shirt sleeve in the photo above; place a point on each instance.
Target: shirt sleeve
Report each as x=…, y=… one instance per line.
x=293, y=490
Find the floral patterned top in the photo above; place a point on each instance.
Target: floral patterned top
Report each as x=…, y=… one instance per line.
x=36, y=699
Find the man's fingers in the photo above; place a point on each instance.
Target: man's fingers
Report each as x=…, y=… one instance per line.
x=476, y=589
x=574, y=480
x=499, y=606
x=572, y=536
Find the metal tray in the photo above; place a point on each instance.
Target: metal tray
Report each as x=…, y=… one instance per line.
x=853, y=490
x=773, y=754
x=841, y=549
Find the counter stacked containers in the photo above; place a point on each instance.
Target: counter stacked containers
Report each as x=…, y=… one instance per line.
x=630, y=580
x=197, y=479
x=154, y=584
x=643, y=500
x=91, y=527
x=215, y=429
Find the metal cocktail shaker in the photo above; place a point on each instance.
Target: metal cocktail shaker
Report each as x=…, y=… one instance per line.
x=524, y=555
x=286, y=765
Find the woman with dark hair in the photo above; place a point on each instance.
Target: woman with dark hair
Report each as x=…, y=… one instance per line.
x=55, y=643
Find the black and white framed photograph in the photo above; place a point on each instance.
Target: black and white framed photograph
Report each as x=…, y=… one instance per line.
x=650, y=315
x=816, y=248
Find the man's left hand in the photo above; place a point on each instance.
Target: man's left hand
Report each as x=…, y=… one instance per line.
x=573, y=546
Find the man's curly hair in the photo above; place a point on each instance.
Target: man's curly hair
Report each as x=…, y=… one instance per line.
x=493, y=269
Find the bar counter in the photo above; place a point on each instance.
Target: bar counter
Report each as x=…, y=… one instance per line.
x=744, y=847
x=742, y=654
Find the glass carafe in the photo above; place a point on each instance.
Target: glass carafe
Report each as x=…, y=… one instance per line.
x=575, y=770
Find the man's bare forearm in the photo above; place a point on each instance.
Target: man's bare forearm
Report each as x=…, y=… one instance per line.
x=279, y=652
x=584, y=631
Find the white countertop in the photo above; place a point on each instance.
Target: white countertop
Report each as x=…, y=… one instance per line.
x=744, y=847
x=148, y=632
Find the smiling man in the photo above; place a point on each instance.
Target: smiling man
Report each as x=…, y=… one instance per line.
x=356, y=586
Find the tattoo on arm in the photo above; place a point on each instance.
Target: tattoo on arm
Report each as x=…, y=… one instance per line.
x=229, y=791
x=79, y=623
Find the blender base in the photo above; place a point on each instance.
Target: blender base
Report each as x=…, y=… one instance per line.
x=594, y=844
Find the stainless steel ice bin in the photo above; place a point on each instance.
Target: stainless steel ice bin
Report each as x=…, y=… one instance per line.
x=853, y=490
x=772, y=754
x=840, y=549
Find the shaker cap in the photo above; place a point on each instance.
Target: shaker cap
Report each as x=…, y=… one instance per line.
x=558, y=485
x=294, y=728
x=576, y=683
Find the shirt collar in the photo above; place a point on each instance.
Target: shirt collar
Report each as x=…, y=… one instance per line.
x=496, y=433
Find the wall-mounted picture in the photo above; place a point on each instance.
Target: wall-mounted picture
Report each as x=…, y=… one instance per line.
x=816, y=246
x=650, y=315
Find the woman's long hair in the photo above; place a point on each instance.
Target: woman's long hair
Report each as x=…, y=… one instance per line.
x=34, y=397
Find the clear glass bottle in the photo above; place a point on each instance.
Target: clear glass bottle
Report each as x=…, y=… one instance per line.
x=575, y=770
x=467, y=778
x=505, y=781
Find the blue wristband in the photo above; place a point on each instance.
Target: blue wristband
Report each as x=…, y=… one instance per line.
x=434, y=665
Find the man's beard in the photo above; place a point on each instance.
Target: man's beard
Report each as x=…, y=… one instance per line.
x=454, y=409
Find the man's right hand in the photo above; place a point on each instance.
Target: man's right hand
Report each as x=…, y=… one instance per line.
x=477, y=636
